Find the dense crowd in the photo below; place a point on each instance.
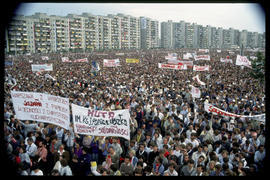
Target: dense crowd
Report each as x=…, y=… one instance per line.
x=170, y=132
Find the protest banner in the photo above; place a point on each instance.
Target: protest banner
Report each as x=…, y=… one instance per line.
x=119, y=54
x=187, y=56
x=81, y=60
x=195, y=92
x=128, y=60
x=188, y=63
x=41, y=107
x=65, y=59
x=172, y=66
x=204, y=50
x=202, y=57
x=171, y=56
x=242, y=61
x=42, y=67
x=201, y=68
x=8, y=63
x=196, y=78
x=111, y=62
x=47, y=76
x=226, y=60
x=101, y=123
x=218, y=51
x=44, y=58
x=216, y=111
x=173, y=61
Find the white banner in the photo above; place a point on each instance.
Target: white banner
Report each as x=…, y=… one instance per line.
x=242, y=61
x=172, y=66
x=196, y=78
x=66, y=59
x=44, y=58
x=216, y=111
x=101, y=123
x=204, y=50
x=218, y=51
x=202, y=57
x=111, y=62
x=42, y=67
x=173, y=61
x=172, y=56
x=201, y=68
x=47, y=76
x=187, y=56
x=195, y=92
x=41, y=107
x=188, y=63
x=226, y=60
x=81, y=60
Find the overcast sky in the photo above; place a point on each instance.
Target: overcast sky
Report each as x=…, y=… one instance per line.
x=239, y=16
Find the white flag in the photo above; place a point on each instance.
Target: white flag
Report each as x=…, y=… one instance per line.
x=195, y=92
x=50, y=77
x=196, y=78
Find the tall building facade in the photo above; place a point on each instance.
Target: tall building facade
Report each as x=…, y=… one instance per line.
x=43, y=33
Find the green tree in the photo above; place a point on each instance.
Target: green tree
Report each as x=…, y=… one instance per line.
x=258, y=68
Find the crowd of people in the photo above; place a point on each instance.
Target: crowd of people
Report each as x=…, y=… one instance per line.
x=170, y=132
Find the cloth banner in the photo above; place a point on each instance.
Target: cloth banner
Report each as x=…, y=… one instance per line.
x=81, y=60
x=201, y=68
x=226, y=60
x=202, y=57
x=171, y=56
x=195, y=92
x=65, y=59
x=44, y=58
x=216, y=111
x=172, y=66
x=196, y=78
x=187, y=56
x=204, y=50
x=47, y=76
x=42, y=67
x=8, y=63
x=242, y=61
x=111, y=62
x=173, y=61
x=218, y=51
x=101, y=123
x=119, y=54
x=188, y=63
x=128, y=60
x=41, y=107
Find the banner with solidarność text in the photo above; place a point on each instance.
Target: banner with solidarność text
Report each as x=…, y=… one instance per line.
x=101, y=123
x=41, y=107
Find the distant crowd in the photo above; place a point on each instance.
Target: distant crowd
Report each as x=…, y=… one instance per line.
x=170, y=132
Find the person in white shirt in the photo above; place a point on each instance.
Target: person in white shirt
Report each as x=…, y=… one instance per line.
x=177, y=151
x=65, y=169
x=36, y=171
x=171, y=170
x=31, y=148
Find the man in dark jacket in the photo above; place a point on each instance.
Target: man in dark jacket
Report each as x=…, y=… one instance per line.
x=84, y=162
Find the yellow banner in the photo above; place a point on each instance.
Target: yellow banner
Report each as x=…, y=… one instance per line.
x=132, y=60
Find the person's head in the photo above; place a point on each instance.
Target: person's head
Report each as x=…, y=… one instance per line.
x=141, y=147
x=218, y=167
x=29, y=141
x=111, y=150
x=131, y=153
x=201, y=159
x=63, y=162
x=200, y=148
x=190, y=163
x=55, y=172
x=199, y=168
x=171, y=167
x=61, y=147
x=261, y=148
x=127, y=159
x=114, y=140
x=138, y=172
x=212, y=165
